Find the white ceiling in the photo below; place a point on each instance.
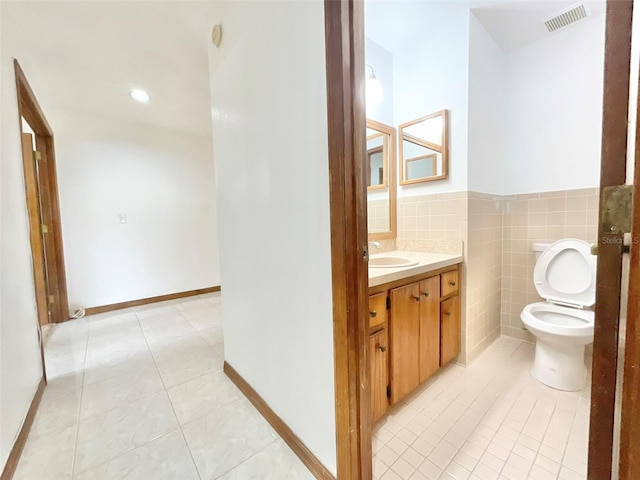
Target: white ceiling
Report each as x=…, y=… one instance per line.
x=87, y=55
x=513, y=24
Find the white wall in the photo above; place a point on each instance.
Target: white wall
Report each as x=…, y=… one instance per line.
x=382, y=62
x=486, y=114
x=269, y=108
x=554, y=114
x=432, y=75
x=163, y=180
x=20, y=364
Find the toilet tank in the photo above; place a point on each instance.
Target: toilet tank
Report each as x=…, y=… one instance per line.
x=540, y=247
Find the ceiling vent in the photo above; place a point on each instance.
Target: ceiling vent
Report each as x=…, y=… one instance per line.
x=566, y=17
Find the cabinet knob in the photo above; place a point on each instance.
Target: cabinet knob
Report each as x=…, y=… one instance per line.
x=453, y=284
x=426, y=294
x=383, y=348
x=448, y=314
x=373, y=313
x=417, y=299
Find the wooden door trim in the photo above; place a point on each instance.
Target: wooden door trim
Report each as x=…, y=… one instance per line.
x=29, y=108
x=613, y=172
x=344, y=43
x=629, y=462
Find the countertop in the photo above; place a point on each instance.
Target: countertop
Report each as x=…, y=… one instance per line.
x=427, y=262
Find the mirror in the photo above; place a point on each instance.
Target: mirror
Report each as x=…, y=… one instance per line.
x=380, y=161
x=423, y=149
x=377, y=151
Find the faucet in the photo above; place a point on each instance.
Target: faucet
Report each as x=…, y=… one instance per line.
x=375, y=244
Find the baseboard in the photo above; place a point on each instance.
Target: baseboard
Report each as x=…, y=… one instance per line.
x=145, y=301
x=14, y=457
x=299, y=448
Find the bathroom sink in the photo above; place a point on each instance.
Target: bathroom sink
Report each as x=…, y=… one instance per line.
x=389, y=261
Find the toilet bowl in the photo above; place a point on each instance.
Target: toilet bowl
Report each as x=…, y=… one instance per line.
x=565, y=276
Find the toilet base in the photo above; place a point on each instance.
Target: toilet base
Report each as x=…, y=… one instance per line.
x=560, y=366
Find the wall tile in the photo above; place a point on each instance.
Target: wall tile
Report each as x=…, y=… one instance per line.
x=496, y=234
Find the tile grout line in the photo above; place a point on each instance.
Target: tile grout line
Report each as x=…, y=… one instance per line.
x=166, y=391
x=459, y=416
x=84, y=367
x=132, y=401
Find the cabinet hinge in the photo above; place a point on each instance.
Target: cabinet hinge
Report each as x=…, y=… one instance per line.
x=388, y=303
x=37, y=156
x=388, y=391
x=44, y=228
x=51, y=299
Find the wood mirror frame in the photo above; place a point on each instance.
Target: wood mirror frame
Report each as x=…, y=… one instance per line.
x=442, y=149
x=389, y=175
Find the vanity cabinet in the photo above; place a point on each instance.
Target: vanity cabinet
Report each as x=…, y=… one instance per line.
x=421, y=331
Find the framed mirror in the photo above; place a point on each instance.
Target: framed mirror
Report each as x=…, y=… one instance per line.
x=380, y=162
x=424, y=149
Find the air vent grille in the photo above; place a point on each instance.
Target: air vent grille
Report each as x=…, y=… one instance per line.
x=566, y=18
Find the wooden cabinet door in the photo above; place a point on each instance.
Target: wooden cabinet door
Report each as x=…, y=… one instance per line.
x=405, y=332
x=449, y=329
x=378, y=352
x=429, y=327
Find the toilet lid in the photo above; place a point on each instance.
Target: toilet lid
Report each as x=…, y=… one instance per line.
x=565, y=274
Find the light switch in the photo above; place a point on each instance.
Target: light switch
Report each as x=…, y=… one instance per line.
x=123, y=218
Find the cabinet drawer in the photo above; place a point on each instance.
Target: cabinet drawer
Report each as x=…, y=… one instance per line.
x=377, y=309
x=449, y=283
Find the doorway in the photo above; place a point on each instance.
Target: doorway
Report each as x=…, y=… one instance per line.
x=41, y=189
x=352, y=385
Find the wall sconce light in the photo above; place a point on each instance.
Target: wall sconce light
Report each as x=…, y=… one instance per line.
x=373, y=88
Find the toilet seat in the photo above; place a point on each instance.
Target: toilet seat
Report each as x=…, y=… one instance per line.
x=565, y=274
x=559, y=320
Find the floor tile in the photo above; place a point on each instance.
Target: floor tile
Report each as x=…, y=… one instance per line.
x=40, y=461
x=489, y=420
x=166, y=458
x=181, y=368
x=106, y=401
x=225, y=438
x=202, y=395
x=213, y=336
x=274, y=462
x=117, y=392
x=170, y=347
x=58, y=410
x=106, y=436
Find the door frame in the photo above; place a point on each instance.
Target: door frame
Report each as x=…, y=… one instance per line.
x=344, y=34
x=29, y=109
x=344, y=43
x=610, y=244
x=629, y=461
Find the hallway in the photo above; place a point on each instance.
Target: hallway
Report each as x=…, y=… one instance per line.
x=140, y=393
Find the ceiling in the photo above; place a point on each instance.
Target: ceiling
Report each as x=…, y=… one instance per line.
x=513, y=24
x=87, y=55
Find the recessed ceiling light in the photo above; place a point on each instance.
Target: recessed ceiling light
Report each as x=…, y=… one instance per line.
x=139, y=95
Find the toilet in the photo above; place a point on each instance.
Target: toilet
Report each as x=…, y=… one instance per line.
x=565, y=276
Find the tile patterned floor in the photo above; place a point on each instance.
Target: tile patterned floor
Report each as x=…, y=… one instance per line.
x=140, y=394
x=487, y=421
